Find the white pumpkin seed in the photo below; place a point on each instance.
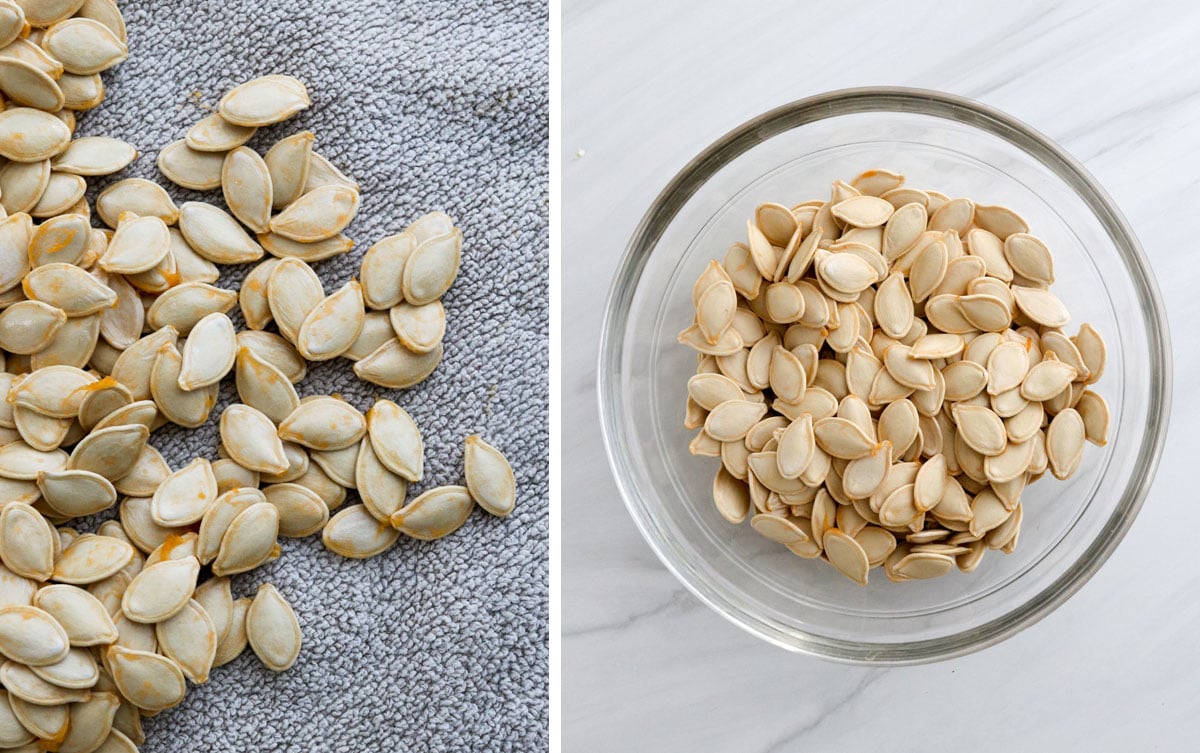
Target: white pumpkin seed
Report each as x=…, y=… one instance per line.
x=355, y=533
x=84, y=46
x=76, y=670
x=188, y=168
x=293, y=290
x=137, y=196
x=264, y=101
x=397, y=441
x=215, y=235
x=317, y=215
x=190, y=640
x=31, y=636
x=246, y=184
x=29, y=326
x=81, y=615
x=183, y=407
x=489, y=477
x=218, y=517
x=109, y=451
x=288, y=163
x=395, y=366
x=251, y=440
x=160, y=591
x=272, y=629
x=249, y=541
x=185, y=495
x=151, y=682
x=26, y=84
x=324, y=423
x=330, y=328
x=431, y=268
x=29, y=135
x=22, y=683
x=209, y=352
x=382, y=270
x=91, y=558
x=301, y=510
x=27, y=542
x=436, y=513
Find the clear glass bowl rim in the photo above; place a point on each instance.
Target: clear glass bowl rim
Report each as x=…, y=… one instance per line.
x=831, y=104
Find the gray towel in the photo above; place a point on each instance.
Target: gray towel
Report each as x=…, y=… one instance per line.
x=430, y=104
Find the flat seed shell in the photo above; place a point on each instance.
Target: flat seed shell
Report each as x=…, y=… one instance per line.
x=22, y=683
x=288, y=163
x=209, y=352
x=431, y=268
x=77, y=670
x=263, y=101
x=419, y=328
x=190, y=640
x=216, y=235
x=395, y=366
x=188, y=168
x=1064, y=442
x=1041, y=306
x=111, y=451
x=218, y=517
x=29, y=326
x=160, y=591
x=246, y=184
x=149, y=681
x=293, y=290
x=382, y=270
x=185, y=495
x=29, y=135
x=215, y=134
x=489, y=477
x=81, y=615
x=26, y=542
x=189, y=408
x=317, y=215
x=251, y=440
x=92, y=558
x=31, y=636
x=301, y=511
x=84, y=46
x=333, y=325
x=272, y=629
x=436, y=513
x=396, y=440
x=264, y=387
x=139, y=244
x=355, y=533
x=324, y=423
x=249, y=541
x=137, y=196
x=69, y=288
x=847, y=555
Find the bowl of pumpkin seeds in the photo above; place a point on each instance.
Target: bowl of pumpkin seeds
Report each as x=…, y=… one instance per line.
x=885, y=376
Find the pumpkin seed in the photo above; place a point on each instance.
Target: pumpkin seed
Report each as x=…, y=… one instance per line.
x=149, y=681
x=189, y=408
x=209, y=352
x=29, y=326
x=330, y=328
x=189, y=168
x=138, y=245
x=12, y=22
x=74, y=671
x=264, y=101
x=355, y=533
x=250, y=438
x=80, y=614
x=69, y=288
x=317, y=215
x=92, y=155
x=190, y=640
x=91, y=558
x=293, y=290
x=216, y=598
x=324, y=423
x=321, y=172
x=30, y=135
x=185, y=305
x=215, y=235
x=31, y=636
x=46, y=722
x=22, y=683
x=160, y=591
x=276, y=351
x=26, y=84
x=394, y=366
x=185, y=495
x=136, y=196
x=431, y=268
x=246, y=184
x=54, y=391
x=1064, y=443
x=288, y=163
x=249, y=541
x=382, y=270
x=27, y=542
x=272, y=629
x=234, y=642
x=489, y=477
x=284, y=248
x=301, y=510
x=218, y=517
x=436, y=513
x=396, y=440
x=110, y=451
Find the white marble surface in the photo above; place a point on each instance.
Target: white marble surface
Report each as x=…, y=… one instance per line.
x=646, y=85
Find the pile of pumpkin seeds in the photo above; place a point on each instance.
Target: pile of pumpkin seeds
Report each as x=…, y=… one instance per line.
x=107, y=334
x=883, y=373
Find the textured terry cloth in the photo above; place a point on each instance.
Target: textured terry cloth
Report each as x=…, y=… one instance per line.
x=430, y=104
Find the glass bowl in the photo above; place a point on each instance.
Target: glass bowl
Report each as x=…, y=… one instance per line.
x=792, y=154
